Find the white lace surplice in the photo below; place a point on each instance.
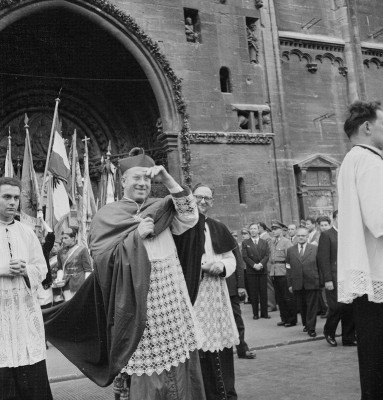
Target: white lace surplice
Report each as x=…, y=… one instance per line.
x=22, y=337
x=215, y=315
x=213, y=306
x=171, y=331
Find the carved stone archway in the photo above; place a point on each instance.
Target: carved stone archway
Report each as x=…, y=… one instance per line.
x=83, y=106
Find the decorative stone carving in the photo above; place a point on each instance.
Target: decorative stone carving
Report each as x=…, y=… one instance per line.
x=299, y=43
x=253, y=117
x=374, y=60
x=191, y=35
x=230, y=138
x=252, y=42
x=312, y=67
x=316, y=185
x=343, y=71
x=258, y=4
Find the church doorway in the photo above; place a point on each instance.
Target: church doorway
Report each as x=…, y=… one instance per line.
x=111, y=88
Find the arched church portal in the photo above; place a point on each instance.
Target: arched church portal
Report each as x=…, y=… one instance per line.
x=112, y=87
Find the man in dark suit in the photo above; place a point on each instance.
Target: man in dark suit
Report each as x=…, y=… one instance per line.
x=255, y=252
x=303, y=279
x=327, y=262
x=236, y=283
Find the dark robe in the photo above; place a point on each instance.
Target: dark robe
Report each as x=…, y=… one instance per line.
x=99, y=329
x=191, y=246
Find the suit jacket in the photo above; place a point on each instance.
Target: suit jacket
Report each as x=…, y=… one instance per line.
x=303, y=272
x=236, y=280
x=255, y=254
x=327, y=256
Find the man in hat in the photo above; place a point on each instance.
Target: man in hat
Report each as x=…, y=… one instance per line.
x=140, y=230
x=23, y=373
x=146, y=327
x=360, y=239
x=278, y=253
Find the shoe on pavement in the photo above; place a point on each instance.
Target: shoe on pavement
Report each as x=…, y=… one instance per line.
x=349, y=343
x=281, y=323
x=304, y=329
x=289, y=325
x=249, y=355
x=330, y=340
x=312, y=333
x=266, y=317
x=271, y=309
x=255, y=317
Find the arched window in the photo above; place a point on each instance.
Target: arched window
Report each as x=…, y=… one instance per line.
x=224, y=77
x=241, y=191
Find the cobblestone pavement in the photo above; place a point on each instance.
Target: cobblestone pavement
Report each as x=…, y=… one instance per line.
x=310, y=370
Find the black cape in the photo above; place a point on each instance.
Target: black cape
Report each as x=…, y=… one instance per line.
x=191, y=246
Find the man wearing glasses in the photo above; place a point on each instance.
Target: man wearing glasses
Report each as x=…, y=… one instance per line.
x=23, y=373
x=213, y=247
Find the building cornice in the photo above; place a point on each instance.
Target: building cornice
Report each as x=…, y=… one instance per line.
x=200, y=137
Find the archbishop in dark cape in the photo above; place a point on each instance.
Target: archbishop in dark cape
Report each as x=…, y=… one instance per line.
x=134, y=314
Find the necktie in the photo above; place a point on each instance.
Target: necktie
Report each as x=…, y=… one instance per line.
x=301, y=251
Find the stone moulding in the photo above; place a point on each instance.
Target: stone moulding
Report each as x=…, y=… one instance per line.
x=230, y=138
x=311, y=62
x=130, y=24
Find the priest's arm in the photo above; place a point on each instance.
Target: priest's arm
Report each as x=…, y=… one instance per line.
x=186, y=215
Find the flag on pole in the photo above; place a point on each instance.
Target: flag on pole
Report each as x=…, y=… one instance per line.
x=75, y=185
x=84, y=215
x=29, y=197
x=58, y=162
x=108, y=179
x=9, y=170
x=57, y=202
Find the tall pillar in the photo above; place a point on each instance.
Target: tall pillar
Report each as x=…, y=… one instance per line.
x=347, y=18
x=285, y=172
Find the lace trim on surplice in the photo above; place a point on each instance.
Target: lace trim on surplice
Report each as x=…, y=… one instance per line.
x=215, y=315
x=185, y=205
x=357, y=284
x=170, y=333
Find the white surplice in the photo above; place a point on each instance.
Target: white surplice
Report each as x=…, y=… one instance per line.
x=360, y=225
x=213, y=306
x=171, y=332
x=22, y=336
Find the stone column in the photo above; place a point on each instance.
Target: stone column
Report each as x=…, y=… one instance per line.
x=346, y=17
x=284, y=168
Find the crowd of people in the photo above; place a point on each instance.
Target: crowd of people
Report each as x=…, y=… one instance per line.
x=300, y=263
x=154, y=304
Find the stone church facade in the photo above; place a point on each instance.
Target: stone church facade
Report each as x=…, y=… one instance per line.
x=248, y=96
